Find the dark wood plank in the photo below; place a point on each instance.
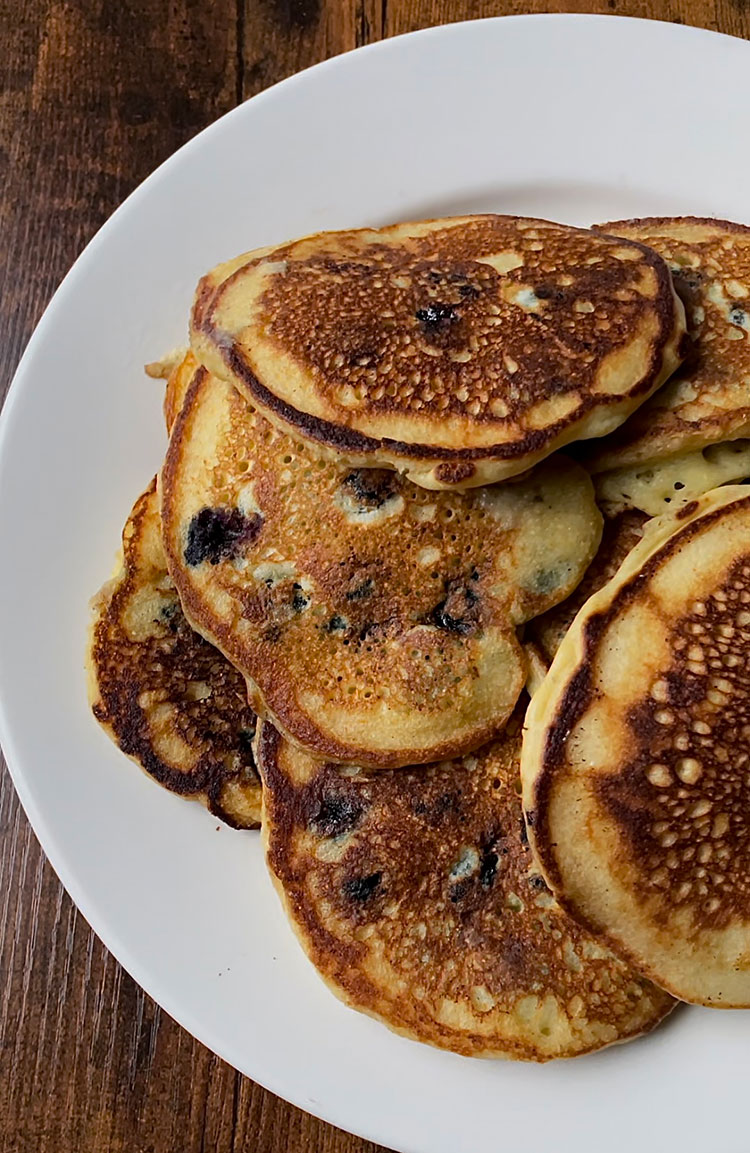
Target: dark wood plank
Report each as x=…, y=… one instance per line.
x=93, y=95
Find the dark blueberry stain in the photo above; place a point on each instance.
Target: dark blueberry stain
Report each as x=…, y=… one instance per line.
x=362, y=888
x=456, y=281
x=169, y=615
x=437, y=315
x=299, y=600
x=546, y=580
x=458, y=613
x=245, y=742
x=216, y=534
x=336, y=624
x=361, y=591
x=487, y=869
x=336, y=814
x=372, y=487
x=550, y=292
x=737, y=315
x=435, y=810
x=539, y=883
x=678, y=484
x=513, y=953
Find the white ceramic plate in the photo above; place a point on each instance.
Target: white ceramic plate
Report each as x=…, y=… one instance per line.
x=577, y=118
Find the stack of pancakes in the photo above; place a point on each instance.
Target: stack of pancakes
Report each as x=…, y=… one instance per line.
x=365, y=542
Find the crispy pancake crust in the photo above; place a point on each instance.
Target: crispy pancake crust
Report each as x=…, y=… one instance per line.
x=416, y=897
x=621, y=534
x=636, y=755
x=166, y=697
x=178, y=383
x=707, y=401
x=376, y=621
x=458, y=351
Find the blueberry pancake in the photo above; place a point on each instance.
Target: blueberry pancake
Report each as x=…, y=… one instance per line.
x=458, y=351
x=415, y=895
x=621, y=534
x=178, y=382
x=375, y=621
x=165, y=696
x=636, y=756
x=707, y=401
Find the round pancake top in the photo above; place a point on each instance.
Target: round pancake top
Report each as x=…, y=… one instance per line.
x=169, y=699
x=416, y=896
x=637, y=757
x=621, y=534
x=376, y=620
x=434, y=345
x=707, y=400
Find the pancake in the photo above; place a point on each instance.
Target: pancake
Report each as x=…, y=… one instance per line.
x=168, y=699
x=621, y=534
x=458, y=351
x=375, y=621
x=415, y=895
x=178, y=382
x=660, y=486
x=636, y=756
x=708, y=400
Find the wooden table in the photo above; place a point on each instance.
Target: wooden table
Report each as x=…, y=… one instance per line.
x=93, y=95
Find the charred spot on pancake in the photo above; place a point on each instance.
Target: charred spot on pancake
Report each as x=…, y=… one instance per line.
x=737, y=315
x=538, y=882
x=454, y=472
x=362, y=889
x=335, y=814
x=459, y=612
x=686, y=510
x=371, y=487
x=217, y=534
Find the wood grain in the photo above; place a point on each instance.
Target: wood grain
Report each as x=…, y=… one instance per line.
x=93, y=95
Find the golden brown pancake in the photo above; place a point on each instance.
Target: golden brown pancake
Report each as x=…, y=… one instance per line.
x=708, y=399
x=660, y=486
x=178, y=383
x=416, y=897
x=458, y=351
x=621, y=534
x=375, y=620
x=636, y=759
x=165, y=696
